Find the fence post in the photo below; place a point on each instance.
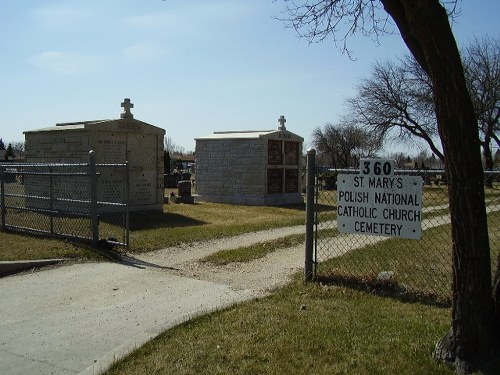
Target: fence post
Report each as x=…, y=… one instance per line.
x=93, y=199
x=51, y=200
x=2, y=195
x=127, y=197
x=310, y=185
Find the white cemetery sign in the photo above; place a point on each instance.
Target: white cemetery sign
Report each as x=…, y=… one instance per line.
x=377, y=202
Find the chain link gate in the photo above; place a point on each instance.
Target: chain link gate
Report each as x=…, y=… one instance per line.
x=418, y=269
x=86, y=201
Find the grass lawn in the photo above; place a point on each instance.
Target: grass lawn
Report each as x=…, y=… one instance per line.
x=178, y=223
x=424, y=266
x=301, y=329
x=260, y=249
x=256, y=251
x=25, y=247
x=181, y=223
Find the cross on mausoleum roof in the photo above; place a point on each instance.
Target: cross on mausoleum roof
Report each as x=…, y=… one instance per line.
x=282, y=121
x=126, y=105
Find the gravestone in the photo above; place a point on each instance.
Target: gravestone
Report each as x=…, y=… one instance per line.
x=114, y=141
x=261, y=167
x=184, y=193
x=184, y=188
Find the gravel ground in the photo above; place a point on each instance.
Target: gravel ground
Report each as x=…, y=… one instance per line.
x=260, y=275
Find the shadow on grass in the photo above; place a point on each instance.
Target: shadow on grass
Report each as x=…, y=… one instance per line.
x=326, y=208
x=386, y=288
x=158, y=220
x=296, y=207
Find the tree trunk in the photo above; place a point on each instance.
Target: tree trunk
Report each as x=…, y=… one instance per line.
x=496, y=289
x=425, y=29
x=488, y=160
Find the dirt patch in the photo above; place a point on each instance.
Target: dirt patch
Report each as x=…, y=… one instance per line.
x=261, y=275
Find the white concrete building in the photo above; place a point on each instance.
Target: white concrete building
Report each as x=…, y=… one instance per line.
x=250, y=167
x=114, y=141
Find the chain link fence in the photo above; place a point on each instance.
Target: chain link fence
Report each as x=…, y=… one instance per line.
x=77, y=201
x=412, y=268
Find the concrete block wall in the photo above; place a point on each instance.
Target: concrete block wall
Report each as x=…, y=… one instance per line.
x=234, y=171
x=47, y=147
x=231, y=168
x=114, y=141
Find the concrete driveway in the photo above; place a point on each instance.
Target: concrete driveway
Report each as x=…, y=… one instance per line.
x=77, y=319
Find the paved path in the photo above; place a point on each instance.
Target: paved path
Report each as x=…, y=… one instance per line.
x=79, y=318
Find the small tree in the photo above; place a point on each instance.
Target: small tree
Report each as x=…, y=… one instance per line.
x=2, y=145
x=397, y=99
x=482, y=71
x=345, y=144
x=396, y=102
x=166, y=162
x=9, y=153
x=171, y=147
x=402, y=160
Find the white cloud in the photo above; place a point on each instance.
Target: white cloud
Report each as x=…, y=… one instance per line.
x=67, y=63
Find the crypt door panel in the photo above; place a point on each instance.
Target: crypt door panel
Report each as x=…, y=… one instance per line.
x=142, y=156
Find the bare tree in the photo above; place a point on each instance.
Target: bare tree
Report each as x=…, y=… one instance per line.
x=402, y=160
x=396, y=103
x=397, y=99
x=345, y=144
x=19, y=147
x=171, y=147
x=482, y=71
x=425, y=28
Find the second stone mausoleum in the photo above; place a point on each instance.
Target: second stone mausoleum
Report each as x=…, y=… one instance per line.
x=114, y=141
x=250, y=167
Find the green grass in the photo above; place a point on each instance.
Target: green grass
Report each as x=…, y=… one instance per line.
x=301, y=329
x=178, y=223
x=260, y=249
x=26, y=247
x=184, y=223
x=255, y=251
x=424, y=266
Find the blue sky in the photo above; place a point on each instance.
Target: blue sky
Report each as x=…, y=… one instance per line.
x=190, y=67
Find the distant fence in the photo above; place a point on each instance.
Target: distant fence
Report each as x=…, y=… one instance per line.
x=413, y=268
x=78, y=201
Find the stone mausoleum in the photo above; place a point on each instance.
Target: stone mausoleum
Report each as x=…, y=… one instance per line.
x=250, y=167
x=114, y=141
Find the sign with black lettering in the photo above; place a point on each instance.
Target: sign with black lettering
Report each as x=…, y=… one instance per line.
x=377, y=202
